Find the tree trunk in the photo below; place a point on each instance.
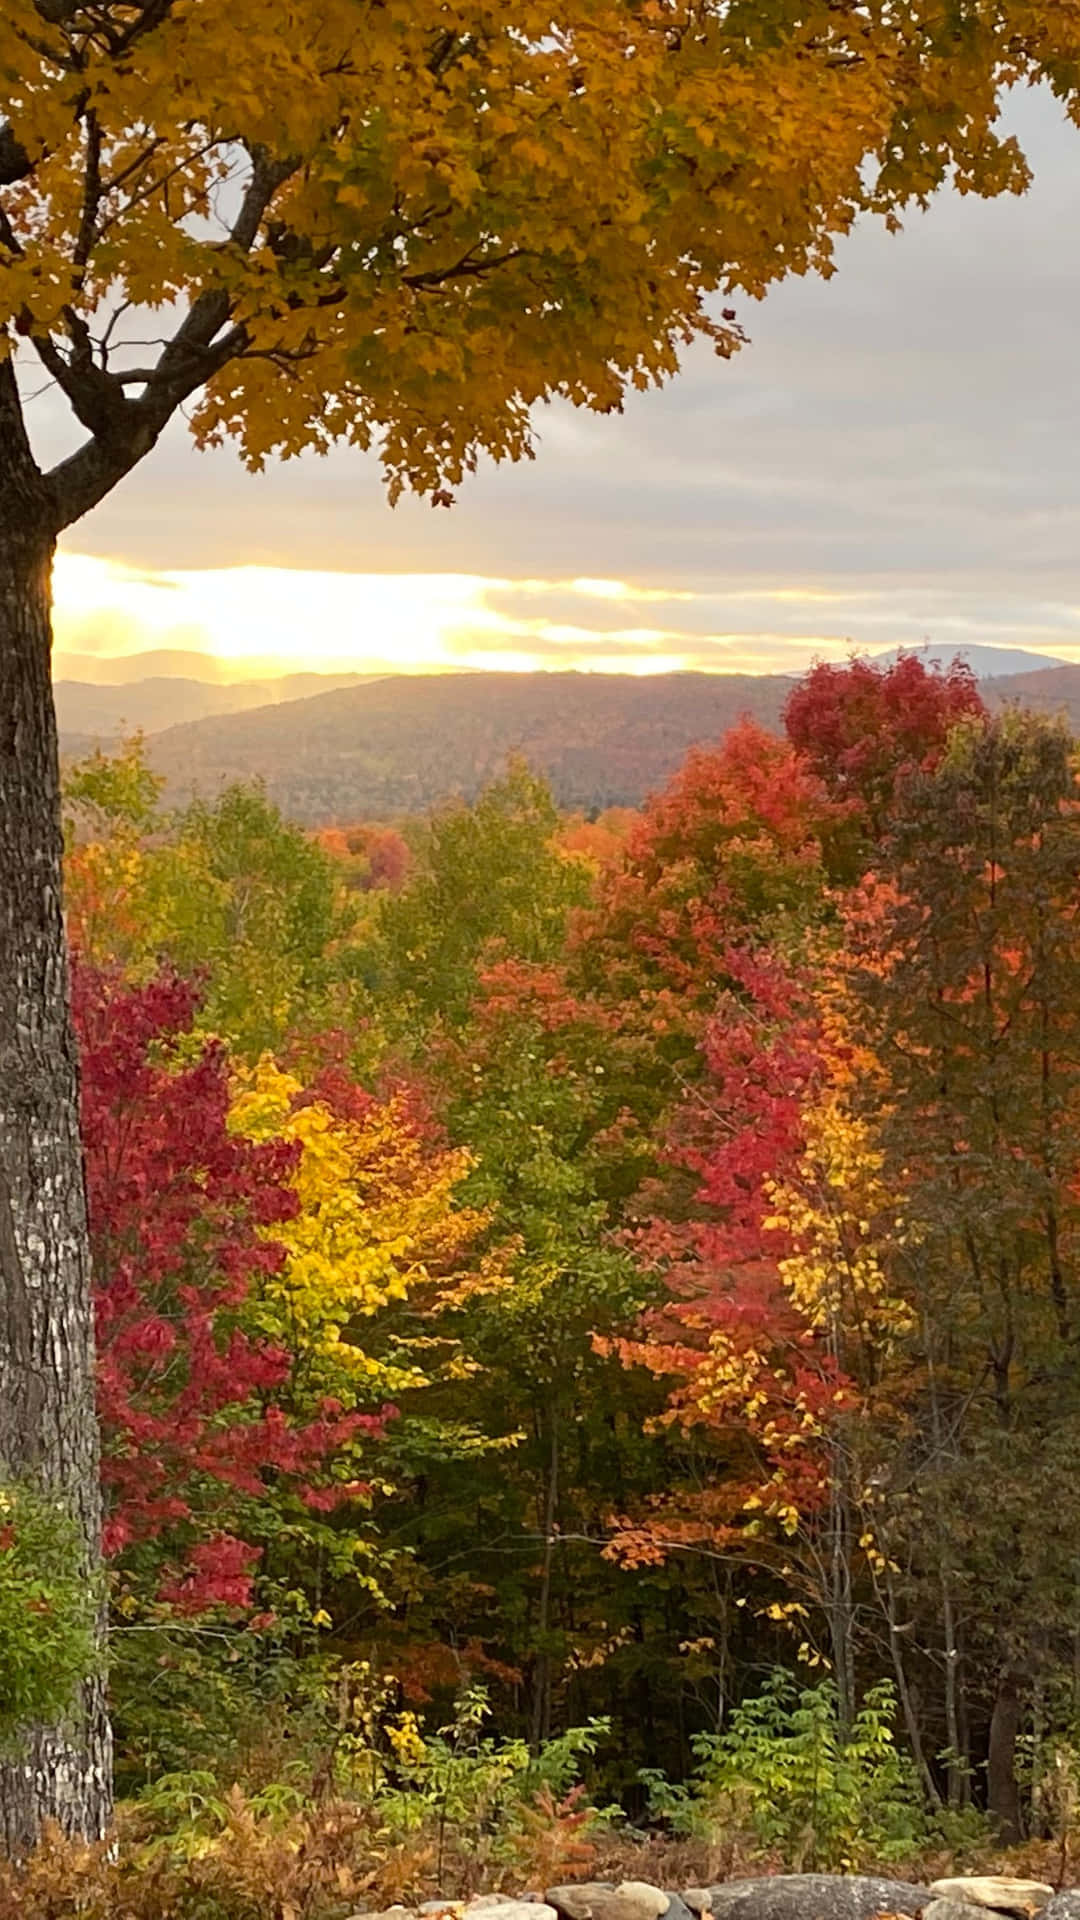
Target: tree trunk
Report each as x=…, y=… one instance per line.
x=1002, y=1787
x=48, y=1426
x=540, y=1726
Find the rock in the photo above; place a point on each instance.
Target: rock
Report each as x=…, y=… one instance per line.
x=953, y=1910
x=815, y=1896
x=502, y=1906
x=723, y=1897
x=1064, y=1905
x=1000, y=1892
x=600, y=1900
x=678, y=1908
x=698, y=1899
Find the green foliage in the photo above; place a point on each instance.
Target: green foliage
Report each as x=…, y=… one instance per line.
x=47, y=1611
x=114, y=791
x=229, y=891
x=490, y=874
x=253, y=899
x=801, y=1787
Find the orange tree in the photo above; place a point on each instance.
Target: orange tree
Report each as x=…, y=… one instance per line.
x=386, y=224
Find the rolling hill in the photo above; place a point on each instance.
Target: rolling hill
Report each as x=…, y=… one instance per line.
x=383, y=748
x=1054, y=690
x=400, y=745
x=986, y=662
x=93, y=710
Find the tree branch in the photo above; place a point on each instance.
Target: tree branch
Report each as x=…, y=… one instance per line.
x=123, y=430
x=15, y=162
x=465, y=269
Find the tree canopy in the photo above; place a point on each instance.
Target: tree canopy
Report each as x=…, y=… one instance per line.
x=404, y=226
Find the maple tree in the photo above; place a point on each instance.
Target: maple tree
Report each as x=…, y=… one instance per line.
x=372, y=856
x=379, y=1220
x=196, y=1396
x=863, y=727
x=730, y=851
x=742, y=1355
x=401, y=230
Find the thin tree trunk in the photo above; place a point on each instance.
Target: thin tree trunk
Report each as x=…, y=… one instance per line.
x=48, y=1427
x=1002, y=1788
x=911, y=1718
x=952, y=1674
x=541, y=1710
x=841, y=1607
x=957, y=1774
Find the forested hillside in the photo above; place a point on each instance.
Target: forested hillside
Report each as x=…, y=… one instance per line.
x=405, y=744
x=602, y=1289
x=402, y=745
x=102, y=711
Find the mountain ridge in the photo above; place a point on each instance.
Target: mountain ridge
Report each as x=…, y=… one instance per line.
x=401, y=744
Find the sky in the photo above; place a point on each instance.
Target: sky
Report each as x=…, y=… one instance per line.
x=893, y=459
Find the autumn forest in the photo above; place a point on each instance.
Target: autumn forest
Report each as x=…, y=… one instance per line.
x=534, y=1342
x=611, y=1278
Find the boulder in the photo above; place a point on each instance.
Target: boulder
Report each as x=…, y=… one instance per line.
x=1000, y=1892
x=1064, y=1905
x=815, y=1896
x=698, y=1899
x=602, y=1900
x=953, y=1910
x=502, y=1906
x=679, y=1908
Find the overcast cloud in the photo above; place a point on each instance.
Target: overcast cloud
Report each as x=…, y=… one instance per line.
x=894, y=456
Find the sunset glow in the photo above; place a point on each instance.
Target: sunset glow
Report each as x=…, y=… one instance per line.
x=259, y=620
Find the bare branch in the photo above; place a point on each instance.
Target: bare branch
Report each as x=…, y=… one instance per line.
x=87, y=233
x=464, y=269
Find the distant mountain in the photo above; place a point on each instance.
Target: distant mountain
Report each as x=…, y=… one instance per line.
x=120, y=669
x=106, y=712
x=402, y=744
x=1053, y=690
x=986, y=663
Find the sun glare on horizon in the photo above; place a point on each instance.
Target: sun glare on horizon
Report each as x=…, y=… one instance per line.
x=252, y=621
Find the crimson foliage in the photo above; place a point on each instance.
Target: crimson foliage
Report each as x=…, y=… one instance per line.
x=194, y=1406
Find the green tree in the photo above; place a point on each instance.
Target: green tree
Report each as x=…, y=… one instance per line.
x=491, y=878
x=968, y=972
x=229, y=891
x=251, y=898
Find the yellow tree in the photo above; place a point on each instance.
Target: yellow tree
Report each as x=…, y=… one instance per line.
x=376, y=1224
x=838, y=1217
x=394, y=224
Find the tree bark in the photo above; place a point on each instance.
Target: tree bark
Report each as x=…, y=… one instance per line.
x=48, y=1425
x=1002, y=1787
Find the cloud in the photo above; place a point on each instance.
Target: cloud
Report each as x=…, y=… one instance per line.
x=898, y=441
x=260, y=620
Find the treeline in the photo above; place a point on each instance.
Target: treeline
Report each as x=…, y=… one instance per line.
x=600, y=1263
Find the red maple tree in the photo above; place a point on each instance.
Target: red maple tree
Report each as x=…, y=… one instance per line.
x=194, y=1407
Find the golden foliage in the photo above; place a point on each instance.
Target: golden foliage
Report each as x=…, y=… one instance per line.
x=405, y=225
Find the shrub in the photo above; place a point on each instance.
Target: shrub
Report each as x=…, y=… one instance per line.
x=47, y=1611
x=786, y=1775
